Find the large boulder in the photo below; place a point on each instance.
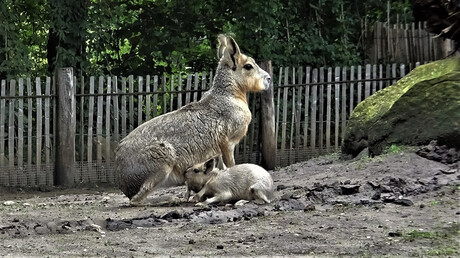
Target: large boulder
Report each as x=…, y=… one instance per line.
x=422, y=106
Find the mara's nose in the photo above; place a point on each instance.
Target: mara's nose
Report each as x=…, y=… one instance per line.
x=267, y=81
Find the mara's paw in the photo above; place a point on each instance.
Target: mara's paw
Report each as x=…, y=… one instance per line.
x=240, y=203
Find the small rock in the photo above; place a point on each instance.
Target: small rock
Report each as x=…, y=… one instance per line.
x=376, y=196
x=296, y=197
x=8, y=203
x=309, y=207
x=349, y=189
x=347, y=182
x=280, y=187
x=395, y=234
x=448, y=172
x=26, y=204
x=457, y=213
x=220, y=247
x=41, y=230
x=403, y=202
x=422, y=206
x=15, y=220
x=373, y=184
x=286, y=196
x=191, y=242
x=172, y=215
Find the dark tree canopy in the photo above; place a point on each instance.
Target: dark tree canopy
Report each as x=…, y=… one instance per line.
x=153, y=36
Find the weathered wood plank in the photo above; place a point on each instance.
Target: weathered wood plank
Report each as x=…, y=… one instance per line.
x=360, y=84
x=123, y=108
x=195, y=87
x=100, y=102
x=298, y=110
x=12, y=177
x=29, y=124
x=188, y=87
x=38, y=119
x=344, y=104
x=3, y=160
x=171, y=95
x=82, y=119
x=131, y=102
x=278, y=100
x=90, y=121
x=179, y=95
x=107, y=120
x=20, y=152
x=268, y=138
x=367, y=87
x=374, y=77
x=140, y=84
x=314, y=103
x=380, y=76
x=328, y=109
x=203, y=83
x=148, y=98
x=47, y=120
x=352, y=89
x=293, y=112
x=337, y=107
x=402, y=70
x=307, y=106
x=155, y=96
x=285, y=107
x=321, y=108
x=393, y=73
x=164, y=108
x=116, y=110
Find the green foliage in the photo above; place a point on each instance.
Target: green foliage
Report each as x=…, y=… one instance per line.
x=155, y=36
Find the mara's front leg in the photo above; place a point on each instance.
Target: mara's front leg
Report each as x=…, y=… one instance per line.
x=228, y=149
x=224, y=196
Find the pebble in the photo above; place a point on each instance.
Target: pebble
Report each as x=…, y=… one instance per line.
x=220, y=247
x=8, y=203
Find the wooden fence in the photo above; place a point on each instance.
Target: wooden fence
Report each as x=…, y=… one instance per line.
x=404, y=43
x=312, y=106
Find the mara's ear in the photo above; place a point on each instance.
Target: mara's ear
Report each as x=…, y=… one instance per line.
x=228, y=50
x=209, y=165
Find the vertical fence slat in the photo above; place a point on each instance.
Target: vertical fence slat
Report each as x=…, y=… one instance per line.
x=107, y=119
x=188, y=87
x=131, y=102
x=344, y=102
x=298, y=107
x=116, y=111
x=367, y=87
x=38, y=120
x=293, y=108
x=2, y=123
x=328, y=108
x=380, y=76
x=171, y=95
x=155, y=96
x=179, y=95
x=147, y=98
x=360, y=84
x=285, y=107
x=100, y=101
x=393, y=73
x=352, y=88
x=307, y=106
x=374, y=77
x=20, y=125
x=47, y=120
x=195, y=87
x=140, y=83
x=82, y=118
x=321, y=108
x=203, y=82
x=123, y=107
x=90, y=121
x=337, y=107
x=314, y=103
x=11, y=155
x=164, y=106
x=277, y=122
x=402, y=70
x=29, y=123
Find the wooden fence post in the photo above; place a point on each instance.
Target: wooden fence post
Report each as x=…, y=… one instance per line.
x=267, y=109
x=65, y=128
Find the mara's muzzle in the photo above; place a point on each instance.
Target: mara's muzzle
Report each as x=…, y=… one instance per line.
x=267, y=79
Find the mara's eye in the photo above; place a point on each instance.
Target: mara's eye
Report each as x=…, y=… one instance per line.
x=196, y=170
x=248, y=66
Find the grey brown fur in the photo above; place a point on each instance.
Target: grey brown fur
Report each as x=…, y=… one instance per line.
x=158, y=152
x=241, y=182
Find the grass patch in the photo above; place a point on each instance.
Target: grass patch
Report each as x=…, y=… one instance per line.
x=394, y=149
x=443, y=250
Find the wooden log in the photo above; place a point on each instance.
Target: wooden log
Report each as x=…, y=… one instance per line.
x=267, y=126
x=65, y=124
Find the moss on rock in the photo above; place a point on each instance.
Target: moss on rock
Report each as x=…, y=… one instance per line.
x=422, y=106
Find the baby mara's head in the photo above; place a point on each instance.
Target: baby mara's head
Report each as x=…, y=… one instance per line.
x=197, y=175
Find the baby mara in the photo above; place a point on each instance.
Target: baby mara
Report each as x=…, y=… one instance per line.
x=240, y=182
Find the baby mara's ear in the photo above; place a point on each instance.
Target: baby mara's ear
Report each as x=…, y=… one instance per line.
x=209, y=166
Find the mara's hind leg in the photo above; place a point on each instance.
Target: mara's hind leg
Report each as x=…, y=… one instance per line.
x=259, y=193
x=219, y=197
x=148, y=186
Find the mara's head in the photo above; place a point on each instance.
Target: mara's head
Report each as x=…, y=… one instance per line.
x=243, y=70
x=197, y=175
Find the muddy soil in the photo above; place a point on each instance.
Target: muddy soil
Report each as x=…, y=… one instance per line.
x=397, y=204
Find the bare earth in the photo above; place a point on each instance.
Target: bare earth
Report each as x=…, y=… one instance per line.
x=396, y=204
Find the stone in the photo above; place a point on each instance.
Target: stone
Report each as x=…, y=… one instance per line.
x=420, y=107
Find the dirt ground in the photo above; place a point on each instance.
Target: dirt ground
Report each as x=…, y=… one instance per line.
x=397, y=204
